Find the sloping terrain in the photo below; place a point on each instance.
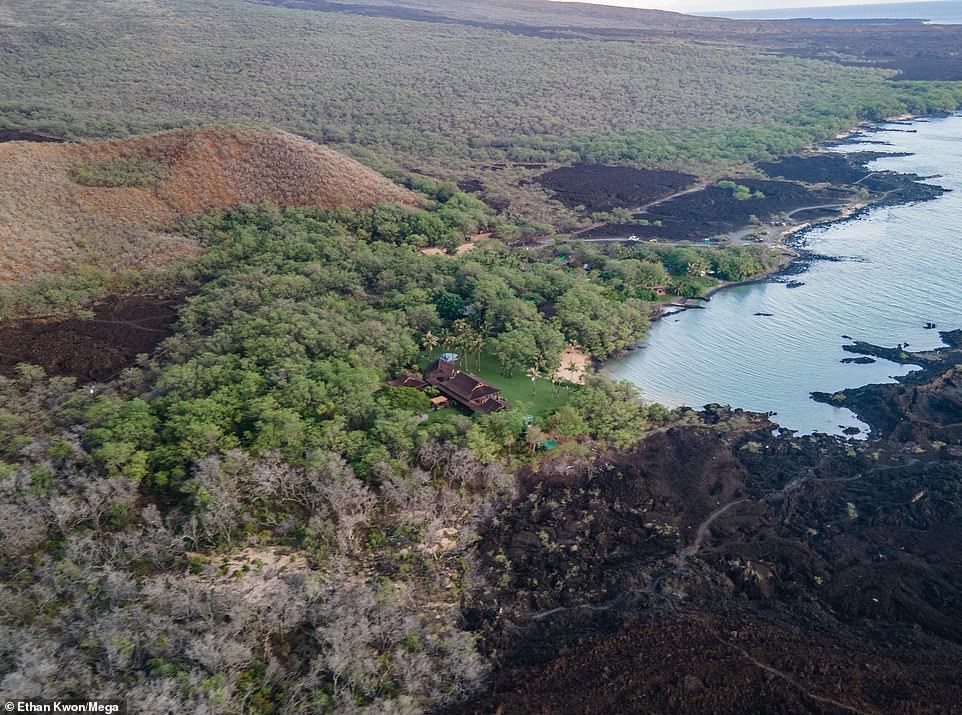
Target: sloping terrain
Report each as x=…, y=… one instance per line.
x=461, y=92
x=916, y=50
x=702, y=571
x=110, y=205
x=458, y=90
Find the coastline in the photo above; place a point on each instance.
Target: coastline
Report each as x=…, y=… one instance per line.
x=790, y=257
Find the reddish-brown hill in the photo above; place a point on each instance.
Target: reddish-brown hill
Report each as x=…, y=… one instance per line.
x=64, y=206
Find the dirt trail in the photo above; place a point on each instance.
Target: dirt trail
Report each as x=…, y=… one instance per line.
x=639, y=209
x=689, y=551
x=794, y=682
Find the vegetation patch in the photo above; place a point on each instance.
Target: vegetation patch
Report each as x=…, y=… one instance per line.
x=121, y=172
x=264, y=424
x=740, y=192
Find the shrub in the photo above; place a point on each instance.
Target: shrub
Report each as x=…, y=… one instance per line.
x=117, y=173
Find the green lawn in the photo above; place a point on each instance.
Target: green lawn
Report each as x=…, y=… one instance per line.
x=517, y=390
x=443, y=415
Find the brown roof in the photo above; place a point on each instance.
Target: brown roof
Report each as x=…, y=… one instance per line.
x=468, y=386
x=412, y=381
x=441, y=368
x=493, y=405
x=464, y=388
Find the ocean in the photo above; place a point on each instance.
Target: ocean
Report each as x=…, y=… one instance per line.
x=943, y=12
x=895, y=269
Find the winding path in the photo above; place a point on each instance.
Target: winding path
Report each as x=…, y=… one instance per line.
x=688, y=551
x=639, y=209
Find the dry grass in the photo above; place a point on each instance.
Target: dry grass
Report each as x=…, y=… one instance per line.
x=50, y=224
x=468, y=245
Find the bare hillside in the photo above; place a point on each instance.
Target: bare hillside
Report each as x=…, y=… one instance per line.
x=110, y=204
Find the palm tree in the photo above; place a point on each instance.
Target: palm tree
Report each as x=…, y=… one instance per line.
x=533, y=374
x=555, y=377
x=477, y=346
x=445, y=339
x=429, y=341
x=462, y=338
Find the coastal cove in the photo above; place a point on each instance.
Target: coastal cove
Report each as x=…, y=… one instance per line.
x=884, y=276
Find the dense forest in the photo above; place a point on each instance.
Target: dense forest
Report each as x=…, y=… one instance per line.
x=249, y=519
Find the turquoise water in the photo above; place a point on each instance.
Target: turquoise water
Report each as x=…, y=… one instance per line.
x=900, y=268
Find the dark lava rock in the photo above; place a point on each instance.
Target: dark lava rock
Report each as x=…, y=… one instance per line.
x=858, y=361
x=923, y=407
x=816, y=169
x=90, y=350
x=659, y=578
x=15, y=135
x=715, y=210
x=598, y=187
x=471, y=185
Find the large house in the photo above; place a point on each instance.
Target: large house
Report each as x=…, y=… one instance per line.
x=461, y=387
x=464, y=388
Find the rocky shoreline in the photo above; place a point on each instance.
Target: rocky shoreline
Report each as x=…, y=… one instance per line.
x=724, y=564
x=922, y=408
x=888, y=189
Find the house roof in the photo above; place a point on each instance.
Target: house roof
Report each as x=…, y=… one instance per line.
x=439, y=368
x=412, y=381
x=464, y=387
x=469, y=386
x=495, y=404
